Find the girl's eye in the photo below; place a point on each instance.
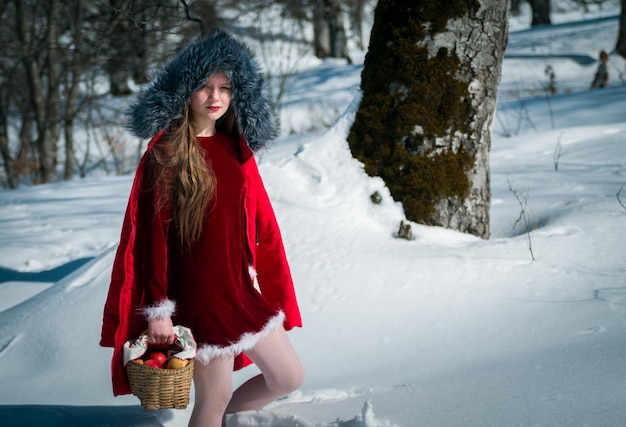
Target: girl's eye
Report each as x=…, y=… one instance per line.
x=221, y=87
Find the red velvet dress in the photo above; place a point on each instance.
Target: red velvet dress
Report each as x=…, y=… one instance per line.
x=211, y=285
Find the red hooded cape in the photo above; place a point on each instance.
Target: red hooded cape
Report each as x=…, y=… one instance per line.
x=121, y=319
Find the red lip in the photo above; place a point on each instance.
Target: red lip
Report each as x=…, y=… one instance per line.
x=214, y=108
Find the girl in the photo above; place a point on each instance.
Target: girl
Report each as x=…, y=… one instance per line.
x=200, y=246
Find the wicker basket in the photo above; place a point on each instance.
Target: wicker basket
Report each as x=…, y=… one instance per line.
x=160, y=388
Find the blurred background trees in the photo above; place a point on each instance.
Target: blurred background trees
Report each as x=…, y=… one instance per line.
x=620, y=45
x=67, y=66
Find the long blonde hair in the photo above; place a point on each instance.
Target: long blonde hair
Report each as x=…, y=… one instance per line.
x=185, y=180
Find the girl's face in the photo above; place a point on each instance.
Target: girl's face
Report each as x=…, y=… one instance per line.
x=211, y=101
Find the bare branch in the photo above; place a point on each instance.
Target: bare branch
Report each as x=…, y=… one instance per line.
x=557, y=152
x=190, y=18
x=618, y=199
x=522, y=199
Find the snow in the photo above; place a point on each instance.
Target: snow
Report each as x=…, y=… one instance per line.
x=443, y=330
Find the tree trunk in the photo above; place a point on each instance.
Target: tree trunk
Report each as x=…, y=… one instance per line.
x=429, y=93
x=26, y=161
x=337, y=33
x=44, y=98
x=137, y=39
x=620, y=46
x=356, y=15
x=321, y=38
x=5, y=151
x=117, y=64
x=72, y=76
x=5, y=80
x=329, y=34
x=48, y=144
x=540, y=11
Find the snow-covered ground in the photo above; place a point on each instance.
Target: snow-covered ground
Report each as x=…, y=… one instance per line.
x=443, y=330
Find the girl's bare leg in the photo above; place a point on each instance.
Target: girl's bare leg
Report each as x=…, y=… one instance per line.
x=213, y=385
x=281, y=373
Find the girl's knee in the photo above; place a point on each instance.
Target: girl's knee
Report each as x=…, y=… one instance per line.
x=289, y=381
x=279, y=363
x=297, y=379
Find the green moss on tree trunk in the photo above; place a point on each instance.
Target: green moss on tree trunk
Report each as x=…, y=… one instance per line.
x=410, y=101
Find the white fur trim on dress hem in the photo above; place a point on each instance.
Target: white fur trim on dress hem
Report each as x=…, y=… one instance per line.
x=207, y=352
x=160, y=310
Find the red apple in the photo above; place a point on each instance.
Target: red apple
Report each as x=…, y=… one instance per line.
x=158, y=356
x=153, y=363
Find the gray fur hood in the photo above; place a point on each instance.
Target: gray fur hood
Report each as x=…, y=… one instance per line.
x=164, y=99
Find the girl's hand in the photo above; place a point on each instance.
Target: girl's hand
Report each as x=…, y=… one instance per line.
x=161, y=331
